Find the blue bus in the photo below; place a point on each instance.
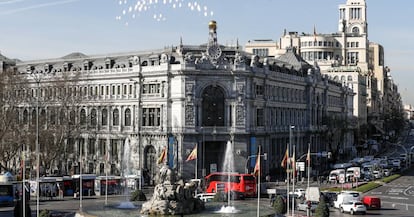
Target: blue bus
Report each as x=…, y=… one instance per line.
x=6, y=194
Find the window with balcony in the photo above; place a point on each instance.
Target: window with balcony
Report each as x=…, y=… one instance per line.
x=127, y=117
x=115, y=117
x=104, y=117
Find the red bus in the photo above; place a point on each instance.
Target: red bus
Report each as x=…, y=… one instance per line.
x=242, y=183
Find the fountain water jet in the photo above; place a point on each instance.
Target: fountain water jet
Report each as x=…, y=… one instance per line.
x=125, y=172
x=228, y=167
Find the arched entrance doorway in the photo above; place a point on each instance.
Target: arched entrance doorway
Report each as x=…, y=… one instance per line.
x=213, y=115
x=150, y=164
x=213, y=107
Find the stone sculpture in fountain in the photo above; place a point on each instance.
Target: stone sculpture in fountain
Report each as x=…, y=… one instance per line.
x=172, y=197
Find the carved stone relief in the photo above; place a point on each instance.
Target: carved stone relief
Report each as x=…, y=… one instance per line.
x=240, y=115
x=189, y=115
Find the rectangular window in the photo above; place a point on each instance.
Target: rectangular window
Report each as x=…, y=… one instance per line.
x=114, y=149
x=259, y=90
x=260, y=117
x=91, y=146
x=102, y=147
x=151, y=117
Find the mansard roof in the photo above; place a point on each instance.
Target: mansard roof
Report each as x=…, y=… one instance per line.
x=295, y=60
x=5, y=59
x=75, y=55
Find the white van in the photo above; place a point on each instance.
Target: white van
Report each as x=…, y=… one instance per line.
x=334, y=175
x=312, y=194
x=345, y=197
x=350, y=173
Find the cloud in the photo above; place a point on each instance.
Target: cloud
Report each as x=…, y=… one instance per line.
x=31, y=7
x=5, y=2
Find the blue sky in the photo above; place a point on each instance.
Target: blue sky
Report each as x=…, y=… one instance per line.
x=41, y=29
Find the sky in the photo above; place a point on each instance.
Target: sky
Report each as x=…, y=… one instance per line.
x=43, y=29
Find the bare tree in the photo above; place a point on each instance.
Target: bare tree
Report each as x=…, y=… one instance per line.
x=11, y=96
x=60, y=125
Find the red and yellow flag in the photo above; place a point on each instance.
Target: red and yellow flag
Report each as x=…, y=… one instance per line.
x=308, y=157
x=193, y=154
x=163, y=155
x=285, y=158
x=256, y=170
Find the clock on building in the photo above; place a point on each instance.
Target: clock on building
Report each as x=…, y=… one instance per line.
x=214, y=51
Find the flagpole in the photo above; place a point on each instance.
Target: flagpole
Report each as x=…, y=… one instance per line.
x=308, y=164
x=258, y=182
x=106, y=175
x=288, y=180
x=23, y=179
x=196, y=162
x=293, y=180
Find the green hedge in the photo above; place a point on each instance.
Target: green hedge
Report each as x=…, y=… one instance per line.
x=368, y=186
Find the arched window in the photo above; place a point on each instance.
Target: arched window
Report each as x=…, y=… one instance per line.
x=52, y=116
x=42, y=117
x=34, y=117
x=355, y=30
x=82, y=117
x=213, y=106
x=61, y=116
x=72, y=118
x=127, y=117
x=115, y=117
x=17, y=116
x=93, y=117
x=104, y=117
x=25, y=116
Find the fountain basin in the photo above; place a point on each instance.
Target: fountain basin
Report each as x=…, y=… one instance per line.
x=245, y=208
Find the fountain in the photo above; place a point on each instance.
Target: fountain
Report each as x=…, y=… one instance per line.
x=172, y=197
x=126, y=171
x=228, y=167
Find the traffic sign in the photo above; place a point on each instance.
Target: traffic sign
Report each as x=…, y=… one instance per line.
x=342, y=178
x=357, y=172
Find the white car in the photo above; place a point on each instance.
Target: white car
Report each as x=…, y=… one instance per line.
x=206, y=197
x=387, y=172
x=299, y=192
x=353, y=207
x=304, y=205
x=377, y=174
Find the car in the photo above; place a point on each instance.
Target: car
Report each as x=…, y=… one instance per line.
x=298, y=193
x=304, y=205
x=387, y=171
x=206, y=197
x=353, y=207
x=396, y=164
x=377, y=174
x=371, y=202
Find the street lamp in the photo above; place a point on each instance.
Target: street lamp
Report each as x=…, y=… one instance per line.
x=288, y=167
x=203, y=172
x=137, y=95
x=36, y=77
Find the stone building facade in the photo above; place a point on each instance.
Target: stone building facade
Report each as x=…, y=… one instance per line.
x=181, y=97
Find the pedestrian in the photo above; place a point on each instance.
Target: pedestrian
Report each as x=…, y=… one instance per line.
x=268, y=178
